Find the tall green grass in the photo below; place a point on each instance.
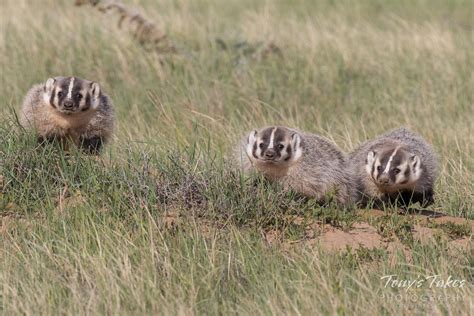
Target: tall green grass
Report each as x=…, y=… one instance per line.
x=162, y=222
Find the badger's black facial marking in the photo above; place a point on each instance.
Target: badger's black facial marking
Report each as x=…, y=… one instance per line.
x=87, y=102
x=406, y=176
x=254, y=150
x=383, y=163
x=76, y=91
x=88, y=99
x=279, y=139
x=61, y=96
x=51, y=98
x=289, y=152
x=262, y=143
x=65, y=86
x=62, y=92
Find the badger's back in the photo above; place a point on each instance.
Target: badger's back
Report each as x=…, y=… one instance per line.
x=322, y=169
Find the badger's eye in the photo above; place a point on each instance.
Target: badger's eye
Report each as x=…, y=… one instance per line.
x=261, y=145
x=396, y=171
x=281, y=146
x=379, y=168
x=78, y=96
x=60, y=94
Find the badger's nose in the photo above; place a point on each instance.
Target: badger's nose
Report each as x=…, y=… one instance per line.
x=384, y=179
x=68, y=104
x=269, y=154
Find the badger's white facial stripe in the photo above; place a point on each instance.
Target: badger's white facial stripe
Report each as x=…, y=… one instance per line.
x=250, y=143
x=296, y=146
x=387, y=167
x=370, y=162
x=46, y=97
x=71, y=85
x=416, y=168
x=272, y=136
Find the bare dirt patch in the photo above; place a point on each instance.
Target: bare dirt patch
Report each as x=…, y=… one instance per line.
x=361, y=235
x=364, y=233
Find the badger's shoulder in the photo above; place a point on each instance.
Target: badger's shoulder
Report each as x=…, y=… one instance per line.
x=34, y=96
x=315, y=145
x=103, y=122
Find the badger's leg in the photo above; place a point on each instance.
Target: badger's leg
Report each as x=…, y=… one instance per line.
x=424, y=198
x=91, y=145
x=43, y=140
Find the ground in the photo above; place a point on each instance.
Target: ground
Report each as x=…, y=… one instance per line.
x=162, y=222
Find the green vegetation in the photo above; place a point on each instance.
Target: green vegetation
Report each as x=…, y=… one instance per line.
x=163, y=222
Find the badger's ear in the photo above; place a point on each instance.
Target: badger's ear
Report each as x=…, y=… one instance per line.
x=251, y=139
x=297, y=146
x=371, y=158
x=370, y=161
x=96, y=93
x=415, y=164
x=49, y=85
x=48, y=90
x=95, y=90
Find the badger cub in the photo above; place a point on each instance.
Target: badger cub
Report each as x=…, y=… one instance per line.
x=70, y=110
x=306, y=163
x=397, y=166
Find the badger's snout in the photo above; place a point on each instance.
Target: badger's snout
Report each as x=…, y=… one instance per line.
x=269, y=154
x=384, y=179
x=68, y=104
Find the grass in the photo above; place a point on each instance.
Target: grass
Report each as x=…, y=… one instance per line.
x=163, y=223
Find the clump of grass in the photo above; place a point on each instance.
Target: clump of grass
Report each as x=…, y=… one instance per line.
x=362, y=255
x=391, y=226
x=179, y=179
x=453, y=230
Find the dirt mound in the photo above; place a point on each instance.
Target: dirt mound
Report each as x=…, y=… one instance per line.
x=375, y=229
x=361, y=235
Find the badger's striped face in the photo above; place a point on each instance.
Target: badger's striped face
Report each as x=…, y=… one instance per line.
x=393, y=167
x=71, y=94
x=274, y=145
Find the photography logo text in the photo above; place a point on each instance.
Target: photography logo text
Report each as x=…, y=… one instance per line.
x=435, y=282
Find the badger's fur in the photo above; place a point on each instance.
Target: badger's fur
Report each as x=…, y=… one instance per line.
x=70, y=110
x=397, y=166
x=305, y=163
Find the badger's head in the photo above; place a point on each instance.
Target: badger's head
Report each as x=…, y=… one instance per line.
x=274, y=145
x=70, y=95
x=393, y=167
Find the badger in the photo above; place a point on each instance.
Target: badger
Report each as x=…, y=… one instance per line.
x=398, y=167
x=302, y=162
x=69, y=110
